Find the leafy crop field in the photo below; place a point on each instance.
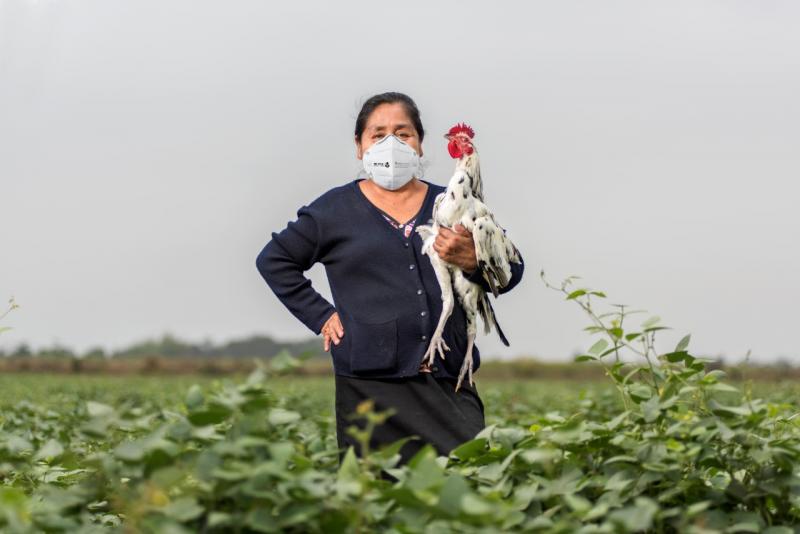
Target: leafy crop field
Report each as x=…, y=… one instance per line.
x=189, y=454
x=661, y=445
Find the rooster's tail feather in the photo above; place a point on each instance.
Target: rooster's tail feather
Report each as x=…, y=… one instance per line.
x=489, y=318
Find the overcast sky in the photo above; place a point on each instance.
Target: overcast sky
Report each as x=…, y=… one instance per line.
x=148, y=148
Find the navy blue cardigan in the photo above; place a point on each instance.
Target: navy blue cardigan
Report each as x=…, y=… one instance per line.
x=383, y=287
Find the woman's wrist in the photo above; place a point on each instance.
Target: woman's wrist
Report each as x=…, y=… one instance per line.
x=471, y=268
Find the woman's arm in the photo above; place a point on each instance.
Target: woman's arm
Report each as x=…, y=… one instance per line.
x=282, y=263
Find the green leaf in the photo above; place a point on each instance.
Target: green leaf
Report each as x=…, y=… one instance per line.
x=640, y=392
x=194, y=397
x=130, y=451
x=714, y=375
x=651, y=321
x=474, y=505
x=598, y=347
x=619, y=481
x=622, y=458
x=540, y=456
x=50, y=450
x=655, y=328
x=17, y=445
x=219, y=519
x=579, y=504
x=585, y=358
x=260, y=519
x=97, y=409
x=575, y=294
x=388, y=451
x=279, y=416
x=683, y=343
x=347, y=478
x=610, y=350
x=724, y=388
x=675, y=357
x=425, y=470
x=651, y=409
x=599, y=510
x=14, y=510
x=453, y=490
x=469, y=449
x=183, y=509
x=636, y=517
x=614, y=423
x=720, y=409
x=632, y=372
x=211, y=415
x=745, y=526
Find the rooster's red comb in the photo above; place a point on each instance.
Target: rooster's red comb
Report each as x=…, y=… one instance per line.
x=462, y=128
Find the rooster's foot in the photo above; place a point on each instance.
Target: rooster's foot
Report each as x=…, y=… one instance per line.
x=437, y=344
x=466, y=369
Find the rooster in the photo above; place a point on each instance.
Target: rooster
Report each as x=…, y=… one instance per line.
x=463, y=203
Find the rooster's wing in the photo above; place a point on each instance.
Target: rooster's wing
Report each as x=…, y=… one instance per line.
x=494, y=251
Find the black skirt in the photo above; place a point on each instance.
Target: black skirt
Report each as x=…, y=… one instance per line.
x=424, y=406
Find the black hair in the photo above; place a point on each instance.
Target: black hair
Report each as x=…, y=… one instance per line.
x=389, y=98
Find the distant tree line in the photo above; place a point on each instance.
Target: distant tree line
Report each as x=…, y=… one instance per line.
x=169, y=346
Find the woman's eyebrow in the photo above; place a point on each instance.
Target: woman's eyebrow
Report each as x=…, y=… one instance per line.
x=397, y=126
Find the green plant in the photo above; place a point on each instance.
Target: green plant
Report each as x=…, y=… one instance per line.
x=691, y=443
x=12, y=305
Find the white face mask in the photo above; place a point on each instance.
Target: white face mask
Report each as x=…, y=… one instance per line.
x=391, y=163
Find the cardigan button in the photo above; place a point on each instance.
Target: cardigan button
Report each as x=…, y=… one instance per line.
x=435, y=368
x=406, y=245
x=422, y=313
x=411, y=266
x=424, y=337
x=419, y=292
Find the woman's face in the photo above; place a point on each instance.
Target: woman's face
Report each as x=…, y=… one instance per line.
x=388, y=119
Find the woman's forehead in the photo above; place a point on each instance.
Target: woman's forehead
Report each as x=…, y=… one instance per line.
x=388, y=123
x=385, y=115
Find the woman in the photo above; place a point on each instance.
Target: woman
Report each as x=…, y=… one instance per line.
x=387, y=299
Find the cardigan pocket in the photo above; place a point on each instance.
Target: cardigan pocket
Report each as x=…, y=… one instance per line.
x=373, y=346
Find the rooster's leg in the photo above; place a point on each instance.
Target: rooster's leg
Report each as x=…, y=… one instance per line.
x=443, y=276
x=472, y=329
x=466, y=367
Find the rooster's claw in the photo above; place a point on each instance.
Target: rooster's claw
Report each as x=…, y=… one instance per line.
x=437, y=344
